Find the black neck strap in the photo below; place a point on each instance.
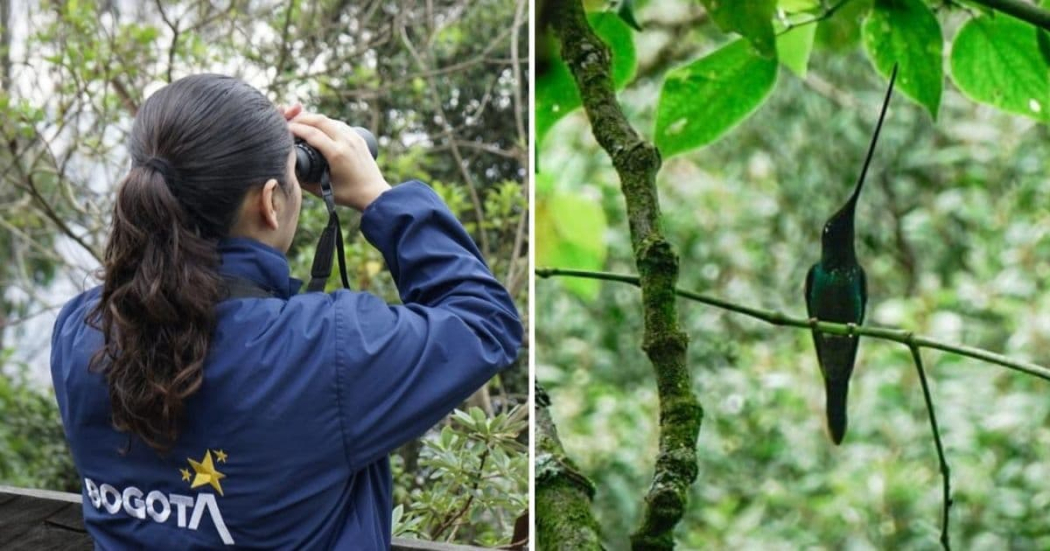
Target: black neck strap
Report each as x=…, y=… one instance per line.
x=326, y=245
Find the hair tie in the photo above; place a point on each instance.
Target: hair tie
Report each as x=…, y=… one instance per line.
x=162, y=166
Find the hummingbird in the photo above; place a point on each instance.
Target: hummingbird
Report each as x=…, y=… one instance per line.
x=837, y=291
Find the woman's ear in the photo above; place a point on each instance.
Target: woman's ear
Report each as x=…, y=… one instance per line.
x=270, y=204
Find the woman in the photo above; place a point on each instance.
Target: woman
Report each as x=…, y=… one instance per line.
x=263, y=419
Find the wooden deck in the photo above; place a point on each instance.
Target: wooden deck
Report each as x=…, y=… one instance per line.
x=31, y=520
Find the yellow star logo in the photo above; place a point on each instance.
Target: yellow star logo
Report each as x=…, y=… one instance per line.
x=185, y=474
x=206, y=473
x=220, y=456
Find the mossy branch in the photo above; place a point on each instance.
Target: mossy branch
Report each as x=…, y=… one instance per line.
x=637, y=163
x=895, y=334
x=564, y=519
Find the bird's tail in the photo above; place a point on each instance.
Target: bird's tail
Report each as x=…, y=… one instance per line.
x=836, y=390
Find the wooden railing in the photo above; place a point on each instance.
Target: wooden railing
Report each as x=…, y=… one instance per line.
x=32, y=520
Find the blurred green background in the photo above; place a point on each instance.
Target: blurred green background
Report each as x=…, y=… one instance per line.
x=441, y=84
x=952, y=229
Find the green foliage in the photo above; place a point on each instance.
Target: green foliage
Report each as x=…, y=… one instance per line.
x=950, y=232
x=556, y=93
x=703, y=100
x=905, y=33
x=570, y=232
x=455, y=504
x=752, y=19
x=33, y=450
x=841, y=31
x=997, y=60
x=794, y=46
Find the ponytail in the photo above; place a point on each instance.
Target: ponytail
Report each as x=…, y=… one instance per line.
x=197, y=146
x=156, y=312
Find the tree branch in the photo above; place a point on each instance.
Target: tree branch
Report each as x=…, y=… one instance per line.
x=450, y=138
x=1024, y=11
x=902, y=336
x=636, y=163
x=564, y=519
x=28, y=183
x=284, y=39
x=945, y=474
x=174, y=38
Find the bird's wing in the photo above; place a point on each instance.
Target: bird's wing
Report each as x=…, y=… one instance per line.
x=811, y=314
x=863, y=294
x=809, y=289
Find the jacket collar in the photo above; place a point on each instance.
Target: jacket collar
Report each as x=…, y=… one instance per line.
x=258, y=263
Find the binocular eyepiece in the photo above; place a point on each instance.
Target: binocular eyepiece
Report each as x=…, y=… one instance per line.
x=310, y=164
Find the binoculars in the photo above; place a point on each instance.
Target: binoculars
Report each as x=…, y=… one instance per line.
x=310, y=164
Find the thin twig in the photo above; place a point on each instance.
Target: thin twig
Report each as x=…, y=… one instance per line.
x=28, y=183
x=945, y=474
x=174, y=26
x=451, y=139
x=4, y=323
x=450, y=521
x=284, y=38
x=1024, y=11
x=522, y=154
x=826, y=14
x=777, y=318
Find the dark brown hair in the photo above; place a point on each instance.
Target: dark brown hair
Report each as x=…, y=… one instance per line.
x=197, y=146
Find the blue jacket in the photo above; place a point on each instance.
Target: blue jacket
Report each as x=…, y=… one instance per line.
x=285, y=444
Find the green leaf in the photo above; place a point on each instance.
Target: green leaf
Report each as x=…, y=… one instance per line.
x=794, y=47
x=463, y=417
x=796, y=6
x=570, y=233
x=1043, y=38
x=841, y=31
x=906, y=32
x=626, y=13
x=701, y=101
x=752, y=19
x=997, y=60
x=556, y=92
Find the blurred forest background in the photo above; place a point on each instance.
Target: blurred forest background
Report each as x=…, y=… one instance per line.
x=441, y=83
x=952, y=229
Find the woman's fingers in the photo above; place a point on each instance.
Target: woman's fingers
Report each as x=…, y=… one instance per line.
x=336, y=130
x=315, y=137
x=289, y=112
x=293, y=111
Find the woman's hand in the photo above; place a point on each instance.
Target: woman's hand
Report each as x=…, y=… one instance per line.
x=356, y=180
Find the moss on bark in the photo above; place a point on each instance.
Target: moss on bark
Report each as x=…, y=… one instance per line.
x=637, y=162
x=564, y=519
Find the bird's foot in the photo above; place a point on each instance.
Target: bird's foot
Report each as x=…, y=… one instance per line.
x=813, y=323
x=851, y=329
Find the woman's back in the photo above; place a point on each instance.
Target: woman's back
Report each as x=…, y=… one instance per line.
x=283, y=442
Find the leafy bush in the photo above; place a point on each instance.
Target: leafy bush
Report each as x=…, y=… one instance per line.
x=33, y=449
x=481, y=454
